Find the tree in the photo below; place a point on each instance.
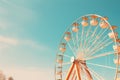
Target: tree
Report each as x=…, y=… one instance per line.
x=10, y=78
x=2, y=76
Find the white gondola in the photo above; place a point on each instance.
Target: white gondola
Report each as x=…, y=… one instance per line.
x=104, y=18
x=94, y=21
x=118, y=40
x=113, y=27
x=67, y=36
x=62, y=47
x=59, y=73
x=116, y=61
x=75, y=27
x=75, y=24
x=59, y=70
x=103, y=24
x=84, y=22
x=60, y=59
x=116, y=48
x=113, y=34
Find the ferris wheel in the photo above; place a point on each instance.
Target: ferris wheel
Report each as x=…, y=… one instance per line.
x=89, y=50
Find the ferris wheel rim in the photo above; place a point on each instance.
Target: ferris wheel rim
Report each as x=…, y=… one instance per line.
x=77, y=20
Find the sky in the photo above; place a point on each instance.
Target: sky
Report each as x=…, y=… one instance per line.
x=30, y=31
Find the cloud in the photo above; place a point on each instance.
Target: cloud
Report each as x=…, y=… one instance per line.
x=26, y=73
x=19, y=11
x=8, y=40
x=13, y=14
x=34, y=44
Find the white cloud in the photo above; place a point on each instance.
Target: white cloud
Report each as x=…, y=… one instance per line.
x=8, y=40
x=34, y=44
x=13, y=14
x=29, y=73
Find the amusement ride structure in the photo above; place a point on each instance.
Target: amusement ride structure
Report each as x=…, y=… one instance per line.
x=89, y=50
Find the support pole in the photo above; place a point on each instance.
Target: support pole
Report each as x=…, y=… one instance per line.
x=70, y=71
x=78, y=70
x=73, y=75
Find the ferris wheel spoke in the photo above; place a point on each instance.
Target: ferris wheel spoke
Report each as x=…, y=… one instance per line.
x=108, y=67
x=85, y=36
x=97, y=43
x=71, y=49
x=73, y=39
x=86, y=46
x=93, y=34
x=87, y=41
x=96, y=75
x=88, y=31
x=100, y=47
x=75, y=36
x=96, y=38
x=66, y=55
x=81, y=38
x=103, y=32
x=66, y=63
x=86, y=71
x=92, y=39
x=100, y=55
x=100, y=77
x=77, y=40
x=91, y=72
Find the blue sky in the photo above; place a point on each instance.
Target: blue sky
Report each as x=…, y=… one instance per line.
x=30, y=31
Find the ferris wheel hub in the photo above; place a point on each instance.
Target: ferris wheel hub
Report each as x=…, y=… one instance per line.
x=77, y=60
x=80, y=56
x=72, y=59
